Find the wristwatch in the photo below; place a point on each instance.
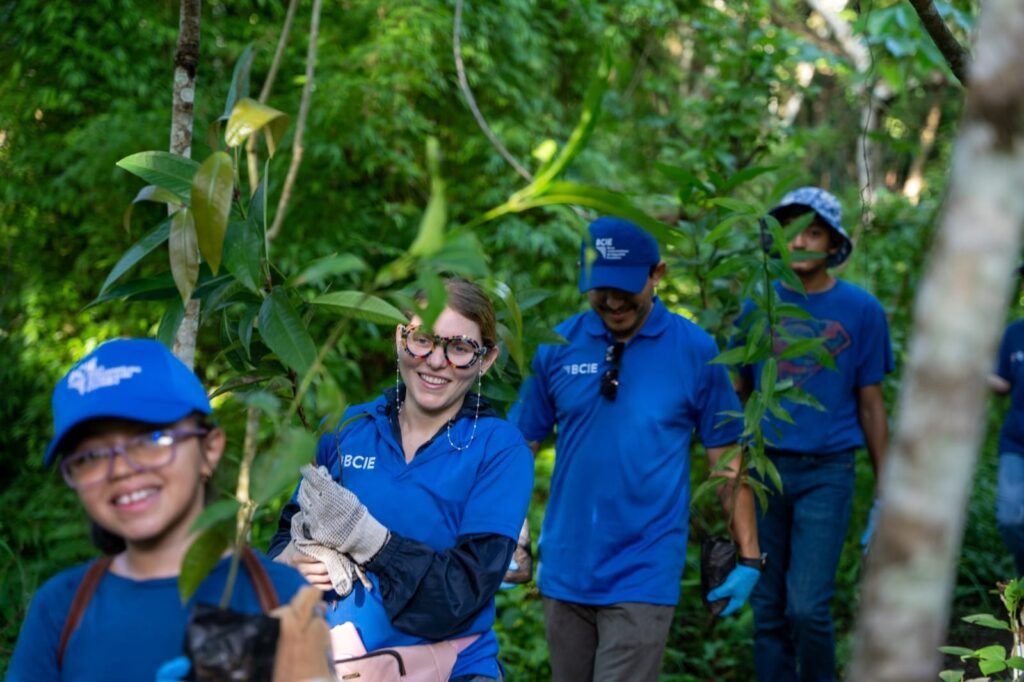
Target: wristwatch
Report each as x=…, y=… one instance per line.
x=753, y=562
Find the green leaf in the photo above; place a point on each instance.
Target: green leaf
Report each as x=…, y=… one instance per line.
x=137, y=252
x=248, y=116
x=184, y=252
x=987, y=667
x=212, y=190
x=239, y=81
x=328, y=267
x=956, y=650
x=169, y=322
x=245, y=327
x=993, y=652
x=203, y=554
x=218, y=512
x=800, y=348
x=733, y=356
x=243, y=247
x=163, y=169
x=987, y=620
x=430, y=237
x=143, y=289
x=462, y=254
x=723, y=228
x=437, y=297
x=1015, y=662
x=278, y=468
x=738, y=206
x=362, y=306
x=155, y=194
x=952, y=676
x=285, y=335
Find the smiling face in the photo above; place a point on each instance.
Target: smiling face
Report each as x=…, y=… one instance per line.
x=150, y=508
x=624, y=312
x=434, y=387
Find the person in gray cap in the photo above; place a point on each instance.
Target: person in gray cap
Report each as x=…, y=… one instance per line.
x=804, y=525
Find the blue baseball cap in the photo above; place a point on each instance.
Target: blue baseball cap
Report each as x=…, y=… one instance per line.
x=625, y=255
x=827, y=208
x=136, y=379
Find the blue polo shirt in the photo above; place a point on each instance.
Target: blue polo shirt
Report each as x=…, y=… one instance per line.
x=856, y=334
x=129, y=628
x=616, y=522
x=1011, y=368
x=441, y=495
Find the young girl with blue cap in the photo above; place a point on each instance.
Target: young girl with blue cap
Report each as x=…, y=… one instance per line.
x=133, y=440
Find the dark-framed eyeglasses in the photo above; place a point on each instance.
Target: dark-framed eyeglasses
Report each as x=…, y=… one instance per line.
x=460, y=351
x=144, y=452
x=610, y=378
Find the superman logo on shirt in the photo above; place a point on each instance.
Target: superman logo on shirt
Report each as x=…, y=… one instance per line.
x=801, y=369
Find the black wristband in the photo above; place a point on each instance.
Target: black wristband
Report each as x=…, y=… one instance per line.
x=753, y=562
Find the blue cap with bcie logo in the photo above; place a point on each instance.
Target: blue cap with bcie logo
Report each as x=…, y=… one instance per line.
x=134, y=379
x=624, y=256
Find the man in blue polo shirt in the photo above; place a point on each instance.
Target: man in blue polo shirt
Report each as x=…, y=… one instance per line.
x=627, y=392
x=804, y=525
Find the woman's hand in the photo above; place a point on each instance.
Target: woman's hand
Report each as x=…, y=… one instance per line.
x=314, y=571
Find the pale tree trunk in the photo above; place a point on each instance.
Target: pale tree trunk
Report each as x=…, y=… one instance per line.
x=958, y=317
x=186, y=62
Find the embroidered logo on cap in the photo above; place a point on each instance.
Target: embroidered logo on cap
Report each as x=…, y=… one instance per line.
x=91, y=376
x=608, y=250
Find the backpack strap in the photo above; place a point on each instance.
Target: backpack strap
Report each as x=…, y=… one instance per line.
x=261, y=582
x=86, y=588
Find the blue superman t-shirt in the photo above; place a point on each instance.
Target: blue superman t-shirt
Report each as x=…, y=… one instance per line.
x=129, y=628
x=1011, y=368
x=855, y=334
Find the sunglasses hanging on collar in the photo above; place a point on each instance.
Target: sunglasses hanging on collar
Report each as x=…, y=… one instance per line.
x=610, y=378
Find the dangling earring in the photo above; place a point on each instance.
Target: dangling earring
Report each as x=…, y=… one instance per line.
x=398, y=395
x=476, y=414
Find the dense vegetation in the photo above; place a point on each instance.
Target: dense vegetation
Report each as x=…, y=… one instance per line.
x=712, y=110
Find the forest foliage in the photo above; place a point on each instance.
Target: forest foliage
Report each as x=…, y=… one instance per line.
x=705, y=113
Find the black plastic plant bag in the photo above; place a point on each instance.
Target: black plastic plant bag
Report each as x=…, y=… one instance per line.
x=225, y=645
x=717, y=559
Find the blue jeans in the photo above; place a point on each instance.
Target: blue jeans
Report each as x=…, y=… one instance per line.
x=1010, y=505
x=802, y=530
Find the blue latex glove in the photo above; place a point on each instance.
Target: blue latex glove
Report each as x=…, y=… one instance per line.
x=512, y=566
x=869, y=529
x=174, y=670
x=737, y=588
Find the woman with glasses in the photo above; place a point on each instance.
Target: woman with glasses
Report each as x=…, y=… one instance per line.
x=412, y=517
x=133, y=441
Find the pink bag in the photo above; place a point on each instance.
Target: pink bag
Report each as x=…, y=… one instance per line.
x=417, y=663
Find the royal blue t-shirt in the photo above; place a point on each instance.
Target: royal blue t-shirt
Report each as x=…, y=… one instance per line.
x=616, y=521
x=1011, y=368
x=856, y=333
x=442, y=494
x=129, y=628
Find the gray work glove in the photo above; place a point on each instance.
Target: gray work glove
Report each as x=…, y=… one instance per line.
x=336, y=518
x=342, y=571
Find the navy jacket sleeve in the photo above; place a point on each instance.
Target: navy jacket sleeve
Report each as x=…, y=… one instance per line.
x=436, y=595
x=283, y=535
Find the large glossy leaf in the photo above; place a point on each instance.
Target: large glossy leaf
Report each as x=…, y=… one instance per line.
x=430, y=237
x=169, y=322
x=239, y=81
x=212, y=189
x=163, y=169
x=137, y=252
x=202, y=555
x=243, y=247
x=362, y=306
x=282, y=330
x=184, y=250
x=248, y=116
x=218, y=512
x=461, y=254
x=143, y=289
x=277, y=469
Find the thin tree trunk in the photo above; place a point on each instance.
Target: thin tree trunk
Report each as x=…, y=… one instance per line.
x=958, y=318
x=186, y=63
x=952, y=51
x=915, y=178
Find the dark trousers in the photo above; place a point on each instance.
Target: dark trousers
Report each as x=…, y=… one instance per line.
x=615, y=643
x=802, y=530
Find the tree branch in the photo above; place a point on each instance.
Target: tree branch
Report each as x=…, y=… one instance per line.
x=268, y=85
x=186, y=63
x=955, y=54
x=471, y=101
x=300, y=126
